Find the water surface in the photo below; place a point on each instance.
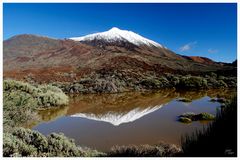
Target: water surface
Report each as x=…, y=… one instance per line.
x=104, y=120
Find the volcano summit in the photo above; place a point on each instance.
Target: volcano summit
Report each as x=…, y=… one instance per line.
x=112, y=61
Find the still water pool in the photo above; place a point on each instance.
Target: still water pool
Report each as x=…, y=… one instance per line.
x=101, y=121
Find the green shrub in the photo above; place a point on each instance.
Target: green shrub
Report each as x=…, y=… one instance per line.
x=185, y=120
x=20, y=101
x=206, y=116
x=14, y=147
x=151, y=83
x=25, y=142
x=222, y=84
x=164, y=81
x=189, y=117
x=221, y=78
x=18, y=85
x=31, y=137
x=59, y=145
x=160, y=150
x=192, y=82
x=18, y=108
x=44, y=95
x=175, y=81
x=213, y=75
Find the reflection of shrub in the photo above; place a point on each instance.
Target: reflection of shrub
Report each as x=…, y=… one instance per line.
x=160, y=150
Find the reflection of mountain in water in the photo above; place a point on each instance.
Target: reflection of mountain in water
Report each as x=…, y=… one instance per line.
x=123, y=107
x=119, y=118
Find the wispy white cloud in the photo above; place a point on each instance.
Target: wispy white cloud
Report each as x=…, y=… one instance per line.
x=187, y=46
x=210, y=50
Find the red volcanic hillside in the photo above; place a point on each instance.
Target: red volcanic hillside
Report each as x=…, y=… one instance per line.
x=45, y=59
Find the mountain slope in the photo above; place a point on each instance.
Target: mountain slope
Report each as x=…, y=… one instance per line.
x=114, y=38
x=28, y=45
x=47, y=60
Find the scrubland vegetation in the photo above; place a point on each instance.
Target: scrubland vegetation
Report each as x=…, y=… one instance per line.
x=25, y=142
x=158, y=150
x=22, y=100
x=42, y=95
x=115, y=82
x=219, y=138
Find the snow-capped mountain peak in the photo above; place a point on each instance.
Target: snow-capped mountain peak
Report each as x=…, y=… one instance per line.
x=115, y=34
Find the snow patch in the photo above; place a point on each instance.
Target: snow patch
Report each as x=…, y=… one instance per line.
x=116, y=34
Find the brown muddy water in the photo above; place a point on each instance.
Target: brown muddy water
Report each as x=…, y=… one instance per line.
x=100, y=121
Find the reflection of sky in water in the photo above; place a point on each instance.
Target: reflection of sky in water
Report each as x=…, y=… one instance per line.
x=100, y=121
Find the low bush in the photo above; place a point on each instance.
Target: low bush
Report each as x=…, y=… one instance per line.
x=184, y=120
x=119, y=81
x=151, y=83
x=25, y=142
x=18, y=109
x=44, y=95
x=189, y=117
x=193, y=82
x=160, y=150
x=20, y=101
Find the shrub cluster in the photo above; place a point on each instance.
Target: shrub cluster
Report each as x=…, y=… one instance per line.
x=189, y=117
x=159, y=150
x=43, y=95
x=119, y=81
x=192, y=82
x=18, y=109
x=20, y=101
x=25, y=142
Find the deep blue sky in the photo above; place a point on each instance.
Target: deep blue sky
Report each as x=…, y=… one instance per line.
x=208, y=30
